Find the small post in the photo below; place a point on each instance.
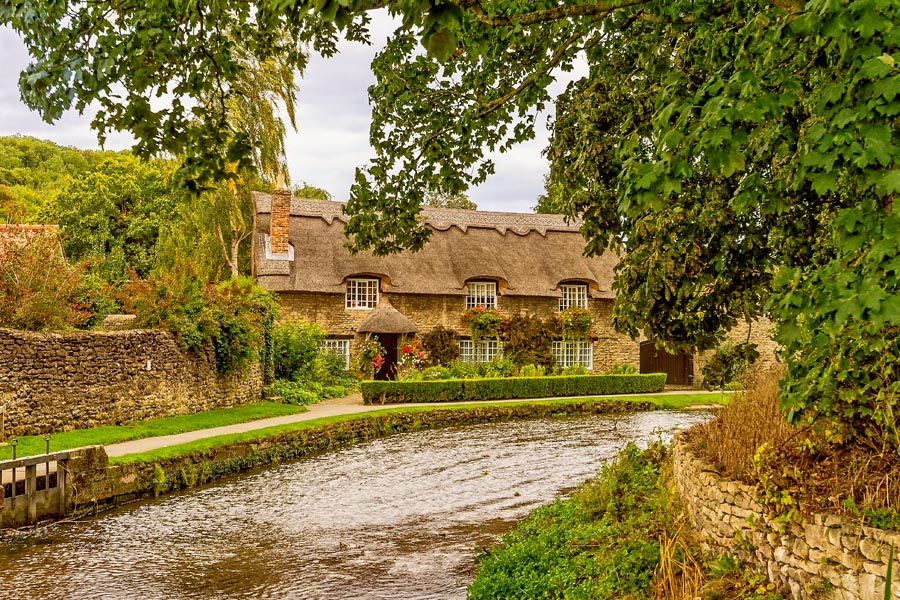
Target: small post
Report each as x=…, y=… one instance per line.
x=13, y=442
x=47, y=464
x=61, y=486
x=31, y=493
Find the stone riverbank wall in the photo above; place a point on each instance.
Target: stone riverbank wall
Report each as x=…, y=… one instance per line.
x=823, y=557
x=52, y=382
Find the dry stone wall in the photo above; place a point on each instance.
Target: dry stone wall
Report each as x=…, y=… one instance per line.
x=52, y=382
x=428, y=312
x=824, y=557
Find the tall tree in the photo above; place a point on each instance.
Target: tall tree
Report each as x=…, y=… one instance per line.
x=745, y=153
x=112, y=216
x=443, y=200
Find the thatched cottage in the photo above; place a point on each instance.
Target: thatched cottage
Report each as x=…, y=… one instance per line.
x=516, y=263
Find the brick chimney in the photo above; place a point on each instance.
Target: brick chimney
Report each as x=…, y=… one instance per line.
x=279, y=225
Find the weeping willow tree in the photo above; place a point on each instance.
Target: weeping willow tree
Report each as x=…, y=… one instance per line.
x=212, y=228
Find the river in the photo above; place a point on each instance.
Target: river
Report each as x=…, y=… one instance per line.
x=396, y=518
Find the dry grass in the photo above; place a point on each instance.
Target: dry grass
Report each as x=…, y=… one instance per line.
x=752, y=419
x=679, y=575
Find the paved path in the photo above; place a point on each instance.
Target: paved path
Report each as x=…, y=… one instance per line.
x=330, y=408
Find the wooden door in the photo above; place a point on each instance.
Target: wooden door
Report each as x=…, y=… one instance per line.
x=679, y=368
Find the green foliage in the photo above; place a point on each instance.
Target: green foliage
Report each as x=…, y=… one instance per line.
x=623, y=369
x=310, y=192
x=112, y=215
x=603, y=543
x=232, y=317
x=33, y=171
x=529, y=340
x=728, y=363
x=296, y=347
x=443, y=200
x=576, y=322
x=39, y=290
x=293, y=392
x=483, y=323
x=506, y=387
x=441, y=346
x=531, y=371
x=745, y=155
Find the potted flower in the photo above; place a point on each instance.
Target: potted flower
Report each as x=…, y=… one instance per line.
x=482, y=322
x=576, y=322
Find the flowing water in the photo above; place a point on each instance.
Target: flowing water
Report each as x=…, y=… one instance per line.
x=397, y=518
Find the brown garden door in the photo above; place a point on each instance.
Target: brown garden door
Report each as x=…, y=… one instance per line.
x=679, y=368
x=389, y=369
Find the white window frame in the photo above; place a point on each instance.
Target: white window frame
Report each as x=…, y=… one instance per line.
x=574, y=295
x=338, y=347
x=481, y=293
x=574, y=352
x=483, y=351
x=362, y=293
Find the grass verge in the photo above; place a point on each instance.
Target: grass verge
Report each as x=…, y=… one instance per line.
x=663, y=401
x=621, y=536
x=111, y=434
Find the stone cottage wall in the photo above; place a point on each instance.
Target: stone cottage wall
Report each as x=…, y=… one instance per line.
x=759, y=332
x=52, y=382
x=430, y=311
x=825, y=557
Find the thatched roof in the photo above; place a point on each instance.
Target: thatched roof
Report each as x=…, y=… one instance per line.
x=528, y=254
x=386, y=319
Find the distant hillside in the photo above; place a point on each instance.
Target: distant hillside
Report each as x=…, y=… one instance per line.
x=32, y=172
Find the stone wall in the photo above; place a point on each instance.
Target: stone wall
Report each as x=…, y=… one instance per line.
x=427, y=312
x=53, y=382
x=759, y=332
x=824, y=557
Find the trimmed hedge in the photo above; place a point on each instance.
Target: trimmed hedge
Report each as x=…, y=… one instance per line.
x=460, y=390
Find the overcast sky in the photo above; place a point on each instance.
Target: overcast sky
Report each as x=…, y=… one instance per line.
x=333, y=128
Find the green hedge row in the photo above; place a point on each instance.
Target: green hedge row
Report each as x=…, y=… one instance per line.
x=456, y=390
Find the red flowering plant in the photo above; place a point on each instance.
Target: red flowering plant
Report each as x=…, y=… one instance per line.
x=411, y=358
x=576, y=323
x=483, y=322
x=370, y=355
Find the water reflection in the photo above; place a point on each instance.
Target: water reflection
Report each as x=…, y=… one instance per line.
x=398, y=518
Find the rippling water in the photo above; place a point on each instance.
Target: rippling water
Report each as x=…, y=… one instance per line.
x=397, y=518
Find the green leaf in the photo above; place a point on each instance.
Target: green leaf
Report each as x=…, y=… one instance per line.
x=441, y=44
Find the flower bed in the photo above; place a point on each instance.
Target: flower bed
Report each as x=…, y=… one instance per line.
x=459, y=390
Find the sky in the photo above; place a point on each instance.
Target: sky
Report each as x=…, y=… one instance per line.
x=333, y=119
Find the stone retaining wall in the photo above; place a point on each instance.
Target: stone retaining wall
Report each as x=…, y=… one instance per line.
x=826, y=557
x=52, y=382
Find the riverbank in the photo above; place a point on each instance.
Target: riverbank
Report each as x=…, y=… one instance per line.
x=155, y=465
x=621, y=535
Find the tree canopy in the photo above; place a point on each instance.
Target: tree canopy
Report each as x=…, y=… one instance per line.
x=744, y=153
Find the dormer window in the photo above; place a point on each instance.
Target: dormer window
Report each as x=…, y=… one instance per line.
x=362, y=293
x=574, y=295
x=482, y=293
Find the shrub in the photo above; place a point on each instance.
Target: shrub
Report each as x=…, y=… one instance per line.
x=727, y=363
x=531, y=371
x=623, y=369
x=578, y=370
x=441, y=346
x=465, y=370
x=528, y=340
x=752, y=419
x=39, y=290
x=292, y=392
x=453, y=390
x=484, y=323
x=234, y=316
x=296, y=347
x=437, y=372
x=502, y=367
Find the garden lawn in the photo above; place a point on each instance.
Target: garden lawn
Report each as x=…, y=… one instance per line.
x=111, y=434
x=663, y=401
